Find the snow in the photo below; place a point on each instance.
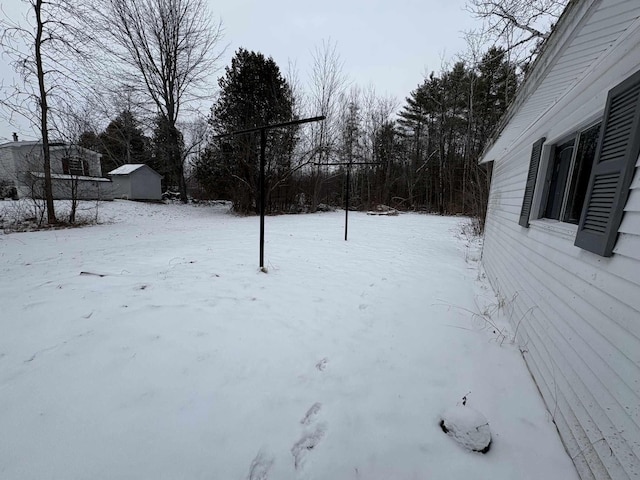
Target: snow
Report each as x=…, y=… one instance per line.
x=64, y=176
x=172, y=356
x=126, y=169
x=468, y=427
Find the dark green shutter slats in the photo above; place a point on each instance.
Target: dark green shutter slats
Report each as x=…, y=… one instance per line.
x=536, y=153
x=613, y=169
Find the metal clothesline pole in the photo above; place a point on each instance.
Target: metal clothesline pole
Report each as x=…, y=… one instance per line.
x=263, y=148
x=346, y=210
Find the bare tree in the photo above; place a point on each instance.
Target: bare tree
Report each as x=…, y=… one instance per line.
x=377, y=115
x=68, y=125
x=196, y=133
x=46, y=50
x=520, y=26
x=327, y=85
x=292, y=77
x=167, y=50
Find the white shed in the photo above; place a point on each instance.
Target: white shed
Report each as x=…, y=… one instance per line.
x=562, y=240
x=136, y=182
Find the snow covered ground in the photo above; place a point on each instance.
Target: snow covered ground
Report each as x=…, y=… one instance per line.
x=152, y=348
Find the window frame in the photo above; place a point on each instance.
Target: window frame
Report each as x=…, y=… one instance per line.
x=76, y=161
x=613, y=170
x=546, y=167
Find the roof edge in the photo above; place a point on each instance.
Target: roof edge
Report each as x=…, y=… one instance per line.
x=560, y=35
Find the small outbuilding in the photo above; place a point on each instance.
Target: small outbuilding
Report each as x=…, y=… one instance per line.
x=136, y=182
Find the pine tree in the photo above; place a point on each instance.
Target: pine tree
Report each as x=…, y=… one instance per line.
x=167, y=146
x=253, y=93
x=123, y=141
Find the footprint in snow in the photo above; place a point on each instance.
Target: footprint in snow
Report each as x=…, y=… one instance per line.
x=307, y=443
x=203, y=357
x=322, y=364
x=260, y=466
x=311, y=413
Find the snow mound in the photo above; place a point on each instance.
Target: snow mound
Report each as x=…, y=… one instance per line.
x=468, y=427
x=383, y=210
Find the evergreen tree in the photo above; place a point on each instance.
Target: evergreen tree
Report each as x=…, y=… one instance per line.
x=445, y=124
x=497, y=84
x=387, y=152
x=253, y=93
x=91, y=141
x=167, y=146
x=123, y=141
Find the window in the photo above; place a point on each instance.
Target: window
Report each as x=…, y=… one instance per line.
x=568, y=175
x=589, y=175
x=75, y=166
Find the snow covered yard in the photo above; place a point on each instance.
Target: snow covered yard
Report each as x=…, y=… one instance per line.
x=172, y=357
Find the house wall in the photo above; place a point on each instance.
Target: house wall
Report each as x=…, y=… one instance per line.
x=7, y=166
x=121, y=186
x=85, y=189
x=92, y=158
x=27, y=157
x=145, y=185
x=577, y=314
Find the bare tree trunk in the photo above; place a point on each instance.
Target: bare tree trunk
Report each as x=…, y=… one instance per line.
x=44, y=112
x=74, y=199
x=327, y=85
x=166, y=49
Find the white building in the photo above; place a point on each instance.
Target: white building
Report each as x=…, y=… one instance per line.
x=136, y=181
x=75, y=171
x=562, y=242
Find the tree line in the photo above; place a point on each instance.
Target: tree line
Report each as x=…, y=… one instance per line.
x=420, y=157
x=156, y=61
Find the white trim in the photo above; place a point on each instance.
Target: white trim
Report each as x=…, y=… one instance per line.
x=593, y=78
x=64, y=176
x=555, y=227
x=579, y=127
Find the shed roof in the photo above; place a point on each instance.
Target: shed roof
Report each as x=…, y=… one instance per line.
x=127, y=169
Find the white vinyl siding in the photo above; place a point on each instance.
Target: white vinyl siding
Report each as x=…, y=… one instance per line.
x=136, y=182
x=7, y=166
x=578, y=320
x=146, y=184
x=577, y=314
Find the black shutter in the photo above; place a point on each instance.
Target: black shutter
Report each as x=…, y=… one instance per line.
x=65, y=166
x=613, y=169
x=85, y=167
x=536, y=153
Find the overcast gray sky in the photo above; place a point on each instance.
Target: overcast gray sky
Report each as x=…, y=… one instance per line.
x=389, y=44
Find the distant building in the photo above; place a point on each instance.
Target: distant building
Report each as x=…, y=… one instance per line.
x=562, y=239
x=75, y=171
x=136, y=182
